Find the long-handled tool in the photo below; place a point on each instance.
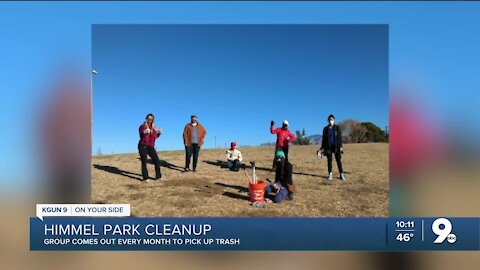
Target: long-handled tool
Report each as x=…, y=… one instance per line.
x=249, y=179
x=254, y=176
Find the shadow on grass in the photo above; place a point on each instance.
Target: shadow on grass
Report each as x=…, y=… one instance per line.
x=236, y=196
x=223, y=164
x=308, y=174
x=170, y=166
x=219, y=163
x=117, y=171
x=237, y=187
x=166, y=164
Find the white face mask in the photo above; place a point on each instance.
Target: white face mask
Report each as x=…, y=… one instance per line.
x=331, y=122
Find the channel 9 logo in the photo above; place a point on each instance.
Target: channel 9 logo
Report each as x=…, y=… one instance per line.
x=442, y=227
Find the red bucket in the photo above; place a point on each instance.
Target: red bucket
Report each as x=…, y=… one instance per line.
x=257, y=191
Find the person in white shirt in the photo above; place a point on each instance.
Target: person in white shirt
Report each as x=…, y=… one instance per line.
x=234, y=157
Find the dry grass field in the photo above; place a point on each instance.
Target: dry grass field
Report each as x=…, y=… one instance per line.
x=214, y=191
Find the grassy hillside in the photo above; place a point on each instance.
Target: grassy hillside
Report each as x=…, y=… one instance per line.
x=216, y=191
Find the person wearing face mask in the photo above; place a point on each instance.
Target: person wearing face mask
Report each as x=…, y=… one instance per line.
x=193, y=136
x=283, y=188
x=234, y=157
x=146, y=146
x=284, y=137
x=332, y=145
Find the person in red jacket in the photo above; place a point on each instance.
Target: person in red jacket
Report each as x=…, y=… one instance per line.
x=284, y=137
x=146, y=146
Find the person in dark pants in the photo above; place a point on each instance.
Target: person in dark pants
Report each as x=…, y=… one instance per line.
x=332, y=146
x=284, y=137
x=193, y=137
x=234, y=157
x=146, y=146
x=283, y=187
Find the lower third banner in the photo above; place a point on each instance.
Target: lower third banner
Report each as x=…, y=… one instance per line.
x=223, y=234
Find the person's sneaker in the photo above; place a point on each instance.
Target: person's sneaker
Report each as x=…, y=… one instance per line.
x=194, y=170
x=330, y=176
x=186, y=170
x=268, y=200
x=342, y=177
x=146, y=180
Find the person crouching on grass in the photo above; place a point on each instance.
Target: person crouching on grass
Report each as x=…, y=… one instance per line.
x=193, y=136
x=332, y=145
x=146, y=146
x=234, y=157
x=283, y=187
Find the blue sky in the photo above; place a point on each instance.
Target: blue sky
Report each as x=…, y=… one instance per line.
x=432, y=45
x=236, y=78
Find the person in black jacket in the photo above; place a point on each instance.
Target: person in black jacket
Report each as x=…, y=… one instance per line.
x=332, y=145
x=283, y=187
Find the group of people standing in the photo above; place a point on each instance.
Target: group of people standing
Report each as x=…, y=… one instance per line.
x=193, y=138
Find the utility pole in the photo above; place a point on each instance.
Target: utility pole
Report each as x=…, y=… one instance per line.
x=215, y=138
x=94, y=72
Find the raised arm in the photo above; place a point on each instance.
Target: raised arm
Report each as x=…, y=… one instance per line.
x=273, y=130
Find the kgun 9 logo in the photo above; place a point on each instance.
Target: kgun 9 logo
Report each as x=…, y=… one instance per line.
x=442, y=227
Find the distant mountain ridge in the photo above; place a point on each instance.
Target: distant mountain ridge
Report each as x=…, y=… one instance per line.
x=315, y=139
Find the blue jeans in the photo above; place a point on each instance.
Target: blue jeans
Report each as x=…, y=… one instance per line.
x=234, y=165
x=279, y=197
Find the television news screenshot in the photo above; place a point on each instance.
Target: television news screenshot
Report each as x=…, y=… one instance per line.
x=240, y=134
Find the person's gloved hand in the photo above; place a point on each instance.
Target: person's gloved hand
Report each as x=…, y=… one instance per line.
x=146, y=131
x=159, y=130
x=272, y=123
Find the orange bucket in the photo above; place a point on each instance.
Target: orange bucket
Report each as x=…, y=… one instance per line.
x=257, y=191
